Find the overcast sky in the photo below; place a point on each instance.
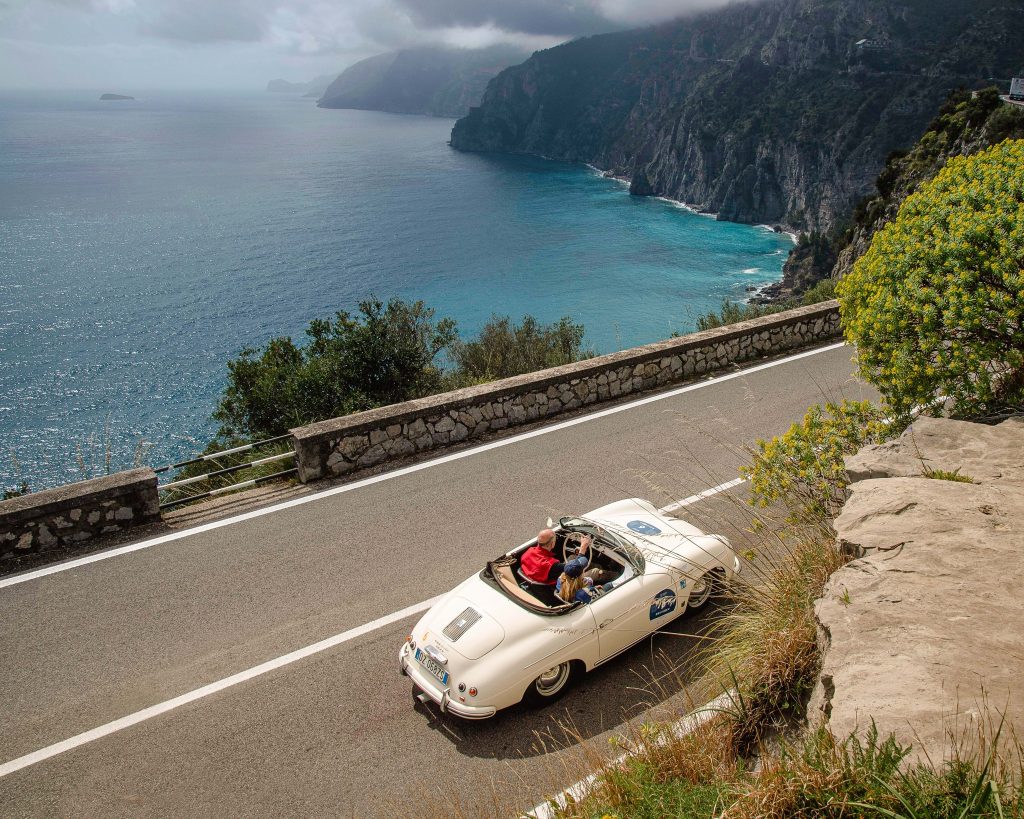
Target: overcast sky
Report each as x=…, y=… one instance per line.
x=138, y=44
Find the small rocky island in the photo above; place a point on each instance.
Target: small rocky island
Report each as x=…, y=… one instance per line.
x=115, y=97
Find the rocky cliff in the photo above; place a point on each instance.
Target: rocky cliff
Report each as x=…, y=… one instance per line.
x=313, y=88
x=965, y=124
x=778, y=111
x=925, y=626
x=435, y=81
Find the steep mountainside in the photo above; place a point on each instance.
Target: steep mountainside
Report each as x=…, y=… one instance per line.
x=965, y=124
x=777, y=111
x=435, y=81
x=313, y=88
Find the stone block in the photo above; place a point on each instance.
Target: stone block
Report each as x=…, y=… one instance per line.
x=374, y=455
x=402, y=447
x=94, y=517
x=124, y=513
x=416, y=429
x=377, y=436
x=443, y=425
x=393, y=431
x=459, y=433
x=353, y=446
x=424, y=442
x=75, y=515
x=24, y=542
x=45, y=536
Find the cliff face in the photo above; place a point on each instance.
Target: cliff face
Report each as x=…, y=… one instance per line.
x=434, y=81
x=768, y=112
x=965, y=124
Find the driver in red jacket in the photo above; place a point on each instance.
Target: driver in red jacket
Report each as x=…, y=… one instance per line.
x=539, y=563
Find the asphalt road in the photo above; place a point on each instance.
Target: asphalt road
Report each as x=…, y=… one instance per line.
x=337, y=733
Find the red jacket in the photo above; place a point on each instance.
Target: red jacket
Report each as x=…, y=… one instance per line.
x=536, y=564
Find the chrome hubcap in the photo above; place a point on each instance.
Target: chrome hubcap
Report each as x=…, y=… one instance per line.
x=701, y=590
x=553, y=679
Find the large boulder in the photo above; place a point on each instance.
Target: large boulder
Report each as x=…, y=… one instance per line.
x=926, y=628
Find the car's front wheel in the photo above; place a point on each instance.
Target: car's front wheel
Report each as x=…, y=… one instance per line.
x=703, y=587
x=551, y=685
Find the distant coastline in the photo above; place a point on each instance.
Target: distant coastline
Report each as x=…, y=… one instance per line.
x=109, y=97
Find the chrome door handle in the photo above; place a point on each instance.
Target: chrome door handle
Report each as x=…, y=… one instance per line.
x=606, y=623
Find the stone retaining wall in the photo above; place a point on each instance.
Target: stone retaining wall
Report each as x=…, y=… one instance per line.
x=343, y=445
x=69, y=515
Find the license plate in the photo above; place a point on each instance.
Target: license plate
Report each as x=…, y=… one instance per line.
x=431, y=666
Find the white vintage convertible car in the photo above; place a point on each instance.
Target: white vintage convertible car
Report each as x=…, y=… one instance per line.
x=498, y=638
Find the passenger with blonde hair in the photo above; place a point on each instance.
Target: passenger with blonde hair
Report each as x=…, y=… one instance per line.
x=573, y=586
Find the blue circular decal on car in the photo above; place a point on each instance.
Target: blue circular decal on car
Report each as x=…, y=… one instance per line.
x=643, y=528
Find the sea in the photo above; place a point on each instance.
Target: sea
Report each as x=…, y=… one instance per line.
x=144, y=243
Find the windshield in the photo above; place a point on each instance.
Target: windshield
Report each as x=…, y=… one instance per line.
x=607, y=536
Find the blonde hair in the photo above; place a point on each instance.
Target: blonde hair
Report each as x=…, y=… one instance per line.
x=570, y=585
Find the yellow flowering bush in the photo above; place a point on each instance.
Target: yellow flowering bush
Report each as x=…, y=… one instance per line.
x=804, y=467
x=936, y=305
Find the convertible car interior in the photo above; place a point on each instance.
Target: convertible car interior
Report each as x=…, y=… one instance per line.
x=505, y=572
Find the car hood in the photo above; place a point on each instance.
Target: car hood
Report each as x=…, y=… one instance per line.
x=654, y=533
x=463, y=625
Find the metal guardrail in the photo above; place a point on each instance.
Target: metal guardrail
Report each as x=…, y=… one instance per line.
x=228, y=470
x=230, y=488
x=214, y=455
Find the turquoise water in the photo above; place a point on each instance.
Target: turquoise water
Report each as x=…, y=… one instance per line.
x=143, y=244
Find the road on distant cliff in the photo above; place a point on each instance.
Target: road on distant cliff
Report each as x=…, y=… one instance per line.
x=118, y=644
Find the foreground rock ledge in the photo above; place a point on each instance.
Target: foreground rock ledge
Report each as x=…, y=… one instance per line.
x=927, y=625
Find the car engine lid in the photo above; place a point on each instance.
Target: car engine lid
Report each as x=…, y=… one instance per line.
x=466, y=628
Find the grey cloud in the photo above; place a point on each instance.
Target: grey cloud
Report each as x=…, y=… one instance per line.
x=202, y=21
x=552, y=17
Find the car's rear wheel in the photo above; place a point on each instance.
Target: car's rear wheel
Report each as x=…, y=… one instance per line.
x=551, y=685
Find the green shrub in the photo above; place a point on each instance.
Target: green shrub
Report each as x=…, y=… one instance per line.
x=732, y=312
x=804, y=467
x=18, y=491
x=936, y=305
x=385, y=354
x=503, y=349
x=822, y=291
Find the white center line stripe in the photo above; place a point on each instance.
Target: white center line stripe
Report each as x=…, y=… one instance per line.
x=264, y=668
x=387, y=476
x=207, y=690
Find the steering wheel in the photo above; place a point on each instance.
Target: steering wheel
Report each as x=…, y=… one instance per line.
x=575, y=537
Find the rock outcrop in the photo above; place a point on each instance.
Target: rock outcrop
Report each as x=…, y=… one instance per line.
x=926, y=626
x=760, y=112
x=440, y=82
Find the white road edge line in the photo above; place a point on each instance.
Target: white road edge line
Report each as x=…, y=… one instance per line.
x=387, y=476
x=207, y=690
x=707, y=493
x=264, y=668
x=579, y=790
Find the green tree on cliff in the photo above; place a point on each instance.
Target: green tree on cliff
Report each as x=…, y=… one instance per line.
x=503, y=349
x=385, y=354
x=936, y=305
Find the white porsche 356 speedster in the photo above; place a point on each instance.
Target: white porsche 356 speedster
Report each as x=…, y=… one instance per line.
x=498, y=638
